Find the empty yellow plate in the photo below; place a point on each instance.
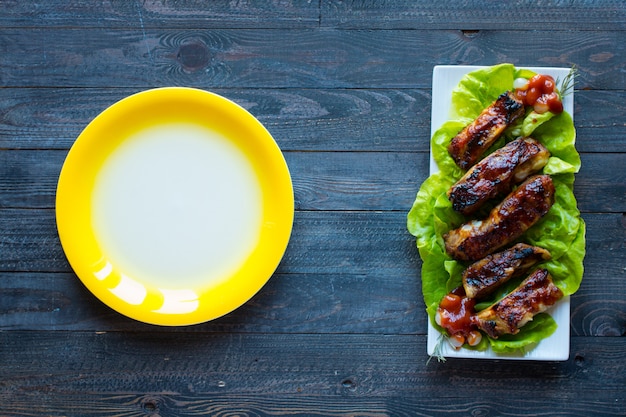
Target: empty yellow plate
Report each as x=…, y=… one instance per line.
x=174, y=206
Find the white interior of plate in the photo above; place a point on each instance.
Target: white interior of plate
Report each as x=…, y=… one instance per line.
x=174, y=171
x=556, y=346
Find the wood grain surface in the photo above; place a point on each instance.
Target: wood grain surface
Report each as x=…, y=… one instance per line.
x=313, y=58
x=345, y=89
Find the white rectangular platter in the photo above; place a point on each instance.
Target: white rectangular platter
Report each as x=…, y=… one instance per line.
x=555, y=347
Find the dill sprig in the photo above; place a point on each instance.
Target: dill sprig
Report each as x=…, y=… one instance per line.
x=566, y=86
x=438, y=350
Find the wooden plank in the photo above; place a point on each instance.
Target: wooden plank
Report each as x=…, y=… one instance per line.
x=331, y=303
x=261, y=59
x=433, y=14
x=324, y=180
x=303, y=405
x=309, y=119
x=403, y=14
x=153, y=13
x=74, y=373
x=299, y=119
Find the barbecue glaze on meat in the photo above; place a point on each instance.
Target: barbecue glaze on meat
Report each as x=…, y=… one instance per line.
x=533, y=296
x=521, y=209
x=483, y=277
x=497, y=173
x=470, y=144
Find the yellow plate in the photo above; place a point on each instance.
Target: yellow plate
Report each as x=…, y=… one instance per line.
x=174, y=206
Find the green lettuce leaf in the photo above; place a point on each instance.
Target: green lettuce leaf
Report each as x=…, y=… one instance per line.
x=561, y=230
x=480, y=88
x=532, y=333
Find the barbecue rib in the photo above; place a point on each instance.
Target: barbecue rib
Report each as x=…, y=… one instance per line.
x=533, y=296
x=470, y=144
x=497, y=174
x=483, y=277
x=521, y=209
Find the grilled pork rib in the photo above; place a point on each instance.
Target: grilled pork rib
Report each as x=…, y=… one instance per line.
x=497, y=174
x=521, y=209
x=470, y=144
x=483, y=277
x=533, y=296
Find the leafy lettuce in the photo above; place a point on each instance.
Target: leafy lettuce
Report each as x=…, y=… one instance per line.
x=561, y=230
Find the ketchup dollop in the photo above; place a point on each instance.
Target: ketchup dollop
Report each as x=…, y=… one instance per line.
x=455, y=315
x=540, y=93
x=456, y=311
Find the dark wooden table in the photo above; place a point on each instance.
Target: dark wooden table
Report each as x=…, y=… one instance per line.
x=345, y=89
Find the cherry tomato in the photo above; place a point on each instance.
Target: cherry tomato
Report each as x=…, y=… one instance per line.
x=450, y=302
x=540, y=93
x=532, y=95
x=455, y=312
x=554, y=103
x=544, y=83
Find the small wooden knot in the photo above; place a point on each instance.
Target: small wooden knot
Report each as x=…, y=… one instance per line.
x=150, y=405
x=193, y=56
x=348, y=384
x=579, y=360
x=470, y=33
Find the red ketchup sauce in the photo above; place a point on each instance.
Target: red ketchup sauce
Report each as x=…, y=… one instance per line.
x=455, y=315
x=540, y=93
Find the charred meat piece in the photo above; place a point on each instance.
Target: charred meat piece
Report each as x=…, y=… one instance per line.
x=521, y=209
x=483, y=277
x=533, y=296
x=497, y=174
x=470, y=144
